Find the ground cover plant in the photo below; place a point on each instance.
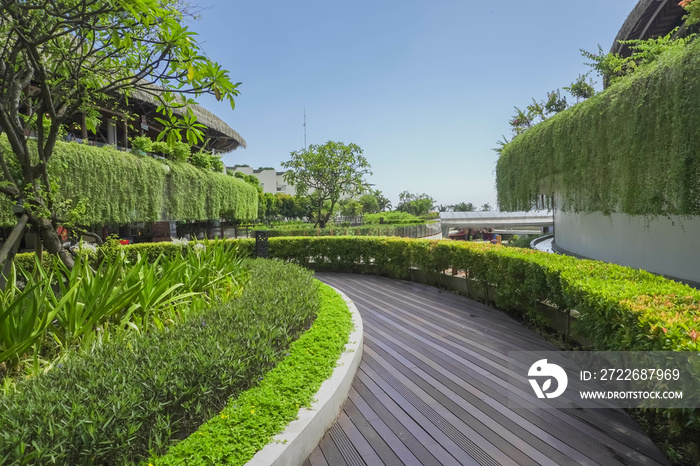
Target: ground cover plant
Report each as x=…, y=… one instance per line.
x=118, y=402
x=249, y=421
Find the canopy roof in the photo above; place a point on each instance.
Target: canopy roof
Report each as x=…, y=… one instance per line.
x=224, y=138
x=494, y=219
x=649, y=19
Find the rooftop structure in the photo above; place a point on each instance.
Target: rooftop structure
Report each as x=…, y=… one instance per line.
x=649, y=19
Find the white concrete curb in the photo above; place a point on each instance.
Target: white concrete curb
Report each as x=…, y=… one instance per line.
x=302, y=436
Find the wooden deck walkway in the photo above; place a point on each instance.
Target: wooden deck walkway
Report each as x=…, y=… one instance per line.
x=432, y=389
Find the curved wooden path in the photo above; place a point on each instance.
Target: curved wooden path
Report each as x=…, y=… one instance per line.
x=432, y=389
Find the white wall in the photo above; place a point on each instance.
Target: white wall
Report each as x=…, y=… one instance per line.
x=662, y=245
x=272, y=181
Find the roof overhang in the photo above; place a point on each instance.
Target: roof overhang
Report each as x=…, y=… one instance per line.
x=648, y=19
x=491, y=219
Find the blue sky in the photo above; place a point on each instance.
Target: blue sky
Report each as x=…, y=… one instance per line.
x=425, y=88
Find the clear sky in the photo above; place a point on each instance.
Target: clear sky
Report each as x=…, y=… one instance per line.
x=425, y=88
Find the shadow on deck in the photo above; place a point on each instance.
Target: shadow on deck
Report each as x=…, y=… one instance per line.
x=432, y=389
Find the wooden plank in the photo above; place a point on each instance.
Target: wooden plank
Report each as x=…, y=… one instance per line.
x=424, y=432
x=433, y=389
x=416, y=439
x=317, y=459
x=585, y=444
x=348, y=451
x=381, y=449
x=331, y=453
x=403, y=453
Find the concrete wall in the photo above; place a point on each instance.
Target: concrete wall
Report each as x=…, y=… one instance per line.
x=665, y=246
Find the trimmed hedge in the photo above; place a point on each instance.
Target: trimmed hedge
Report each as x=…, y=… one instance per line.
x=632, y=148
x=620, y=308
x=404, y=230
x=131, y=397
x=119, y=187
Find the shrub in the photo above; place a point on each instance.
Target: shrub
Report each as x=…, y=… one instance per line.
x=181, y=152
x=391, y=218
x=141, y=145
x=56, y=308
x=161, y=148
x=116, y=403
x=201, y=160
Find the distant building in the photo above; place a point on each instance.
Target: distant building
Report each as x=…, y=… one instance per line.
x=271, y=180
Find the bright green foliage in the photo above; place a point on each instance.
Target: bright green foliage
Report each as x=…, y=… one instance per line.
x=370, y=204
x=81, y=57
x=415, y=204
x=621, y=308
x=126, y=291
x=350, y=208
x=329, y=170
x=632, y=148
x=201, y=160
x=162, y=148
x=583, y=88
x=197, y=195
x=249, y=422
x=535, y=112
x=613, y=67
x=180, y=152
x=117, y=187
x=125, y=398
x=693, y=9
x=141, y=145
x=393, y=217
x=403, y=230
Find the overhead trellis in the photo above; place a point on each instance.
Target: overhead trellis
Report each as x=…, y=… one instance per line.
x=118, y=187
x=634, y=148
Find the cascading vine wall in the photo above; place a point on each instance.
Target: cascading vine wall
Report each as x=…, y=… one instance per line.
x=118, y=187
x=634, y=148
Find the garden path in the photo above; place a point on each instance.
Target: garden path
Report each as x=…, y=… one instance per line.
x=432, y=389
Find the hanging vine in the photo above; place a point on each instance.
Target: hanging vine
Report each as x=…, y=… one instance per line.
x=633, y=148
x=118, y=187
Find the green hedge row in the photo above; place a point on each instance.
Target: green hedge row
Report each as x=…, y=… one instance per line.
x=364, y=230
x=119, y=187
x=128, y=398
x=620, y=308
x=632, y=148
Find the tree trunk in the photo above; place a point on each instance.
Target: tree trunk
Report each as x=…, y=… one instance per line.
x=9, y=249
x=52, y=241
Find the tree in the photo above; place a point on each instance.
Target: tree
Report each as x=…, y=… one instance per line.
x=463, y=207
x=383, y=203
x=59, y=59
x=350, y=208
x=370, y=204
x=415, y=204
x=486, y=207
x=330, y=171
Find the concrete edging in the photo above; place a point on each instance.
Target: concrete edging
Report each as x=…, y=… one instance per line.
x=303, y=435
